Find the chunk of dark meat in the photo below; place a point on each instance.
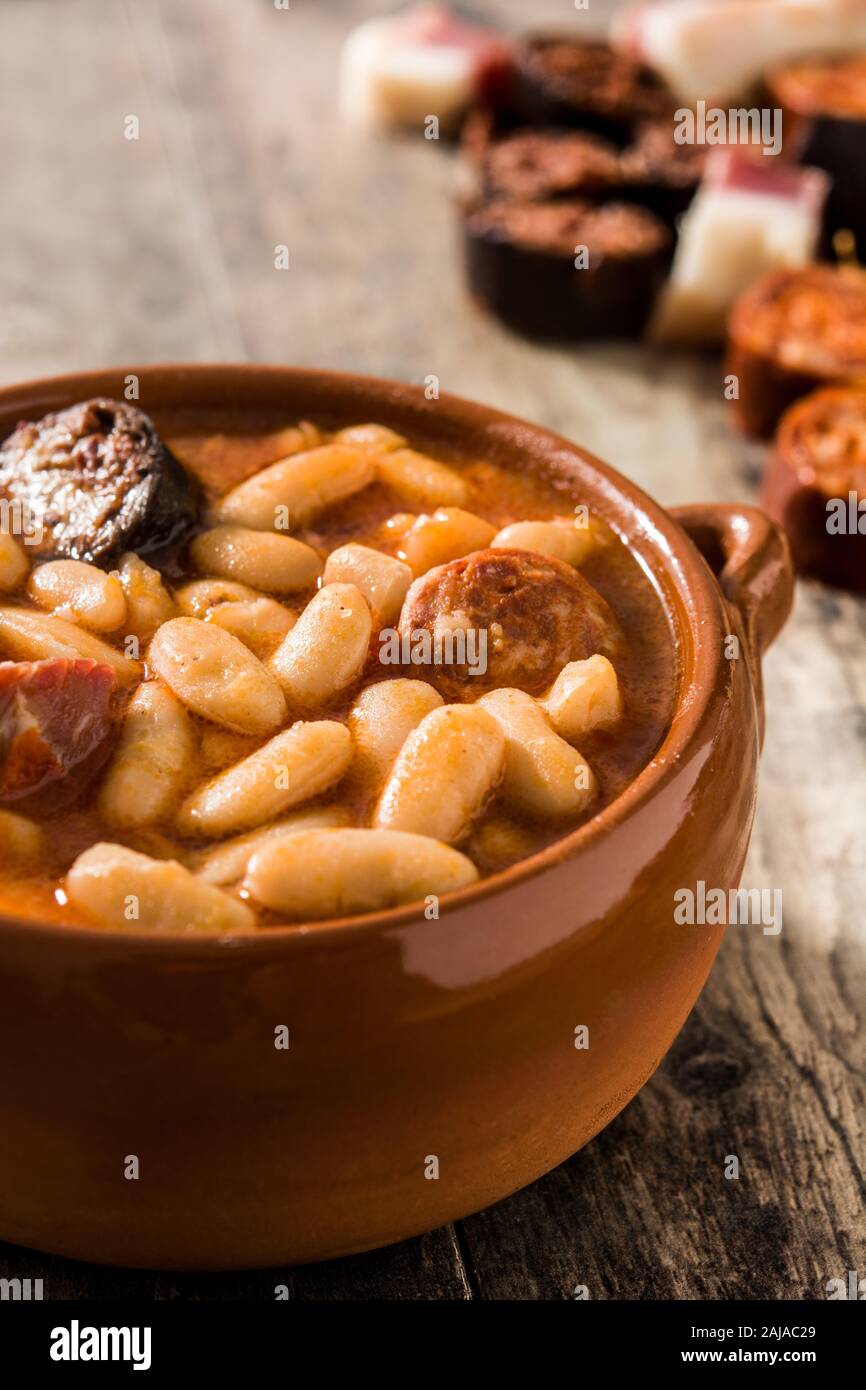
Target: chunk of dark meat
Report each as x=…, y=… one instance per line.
x=521, y=258
x=562, y=80
x=94, y=481
x=537, y=614
x=550, y=164
x=57, y=721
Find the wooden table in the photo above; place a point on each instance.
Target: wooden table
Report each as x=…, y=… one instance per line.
x=162, y=249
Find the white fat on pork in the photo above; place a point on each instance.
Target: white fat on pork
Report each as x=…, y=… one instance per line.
x=718, y=49
x=747, y=218
x=399, y=70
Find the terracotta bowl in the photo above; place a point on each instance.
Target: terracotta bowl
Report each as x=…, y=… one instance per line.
x=409, y=1040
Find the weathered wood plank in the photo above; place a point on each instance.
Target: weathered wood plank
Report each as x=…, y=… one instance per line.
x=430, y=1267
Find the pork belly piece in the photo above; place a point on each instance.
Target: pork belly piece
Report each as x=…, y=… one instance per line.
x=792, y=331
x=815, y=485
x=750, y=216
x=398, y=70
x=718, y=49
x=57, y=719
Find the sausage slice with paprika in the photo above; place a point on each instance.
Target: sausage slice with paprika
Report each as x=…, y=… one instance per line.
x=792, y=331
x=815, y=486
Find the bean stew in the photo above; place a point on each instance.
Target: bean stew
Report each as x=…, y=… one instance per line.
x=285, y=673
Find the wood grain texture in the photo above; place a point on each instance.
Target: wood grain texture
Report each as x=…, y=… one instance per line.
x=163, y=249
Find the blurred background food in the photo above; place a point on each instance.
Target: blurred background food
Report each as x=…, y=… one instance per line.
x=565, y=115
x=603, y=198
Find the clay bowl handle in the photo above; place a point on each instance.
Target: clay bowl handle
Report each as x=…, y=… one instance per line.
x=749, y=555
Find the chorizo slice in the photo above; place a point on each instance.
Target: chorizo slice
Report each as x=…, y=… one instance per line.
x=502, y=617
x=815, y=486
x=791, y=332
x=94, y=481
x=57, y=721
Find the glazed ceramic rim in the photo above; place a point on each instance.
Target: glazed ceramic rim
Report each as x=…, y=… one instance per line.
x=690, y=594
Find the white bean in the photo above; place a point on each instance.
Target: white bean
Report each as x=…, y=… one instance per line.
x=259, y=622
x=152, y=761
x=227, y=863
x=382, y=718
x=296, y=489
x=584, y=696
x=446, y=535
x=561, y=539
x=543, y=774
x=14, y=563
x=329, y=873
x=423, y=480
x=377, y=438
x=197, y=599
x=217, y=676
x=326, y=649
x=120, y=888
x=27, y=636
x=148, y=602
x=291, y=768
x=262, y=559
x=444, y=774
x=80, y=592
x=382, y=580
x=21, y=840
